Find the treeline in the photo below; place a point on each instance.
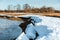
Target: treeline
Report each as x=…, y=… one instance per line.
x=28, y=9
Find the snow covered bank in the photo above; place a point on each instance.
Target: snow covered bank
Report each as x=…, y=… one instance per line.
x=48, y=28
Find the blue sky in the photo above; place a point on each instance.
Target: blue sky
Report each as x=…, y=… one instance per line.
x=33, y=3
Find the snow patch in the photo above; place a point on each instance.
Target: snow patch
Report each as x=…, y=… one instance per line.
x=22, y=37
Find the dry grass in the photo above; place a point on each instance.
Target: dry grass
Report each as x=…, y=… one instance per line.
x=20, y=14
x=18, y=19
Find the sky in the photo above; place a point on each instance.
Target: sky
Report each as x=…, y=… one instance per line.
x=34, y=3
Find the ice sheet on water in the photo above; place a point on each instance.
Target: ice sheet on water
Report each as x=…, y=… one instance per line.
x=30, y=31
x=10, y=29
x=22, y=37
x=36, y=19
x=51, y=23
x=50, y=29
x=42, y=30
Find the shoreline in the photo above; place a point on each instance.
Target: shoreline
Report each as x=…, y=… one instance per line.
x=15, y=16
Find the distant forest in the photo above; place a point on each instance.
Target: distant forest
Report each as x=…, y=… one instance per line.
x=28, y=9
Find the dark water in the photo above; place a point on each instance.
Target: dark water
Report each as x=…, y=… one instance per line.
x=9, y=29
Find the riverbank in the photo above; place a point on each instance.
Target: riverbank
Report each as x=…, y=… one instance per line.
x=14, y=16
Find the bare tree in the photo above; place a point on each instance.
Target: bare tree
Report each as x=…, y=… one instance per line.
x=18, y=6
x=26, y=6
x=50, y=9
x=10, y=7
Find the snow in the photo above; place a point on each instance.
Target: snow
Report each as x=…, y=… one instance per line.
x=22, y=37
x=30, y=31
x=48, y=28
x=43, y=30
x=36, y=19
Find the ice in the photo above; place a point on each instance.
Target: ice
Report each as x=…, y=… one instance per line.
x=48, y=28
x=43, y=30
x=30, y=31
x=22, y=37
x=36, y=19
